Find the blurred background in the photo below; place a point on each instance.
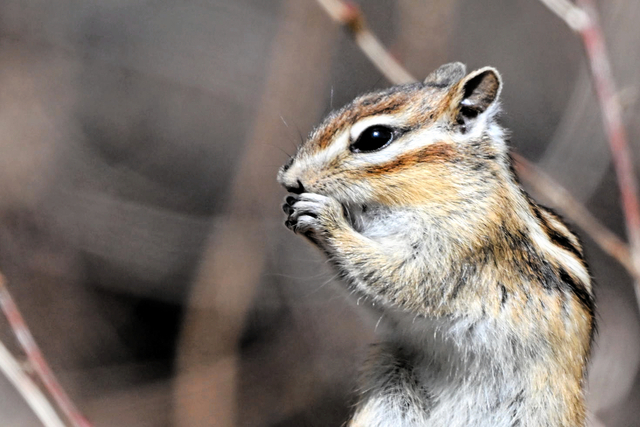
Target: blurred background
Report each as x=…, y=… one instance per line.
x=140, y=224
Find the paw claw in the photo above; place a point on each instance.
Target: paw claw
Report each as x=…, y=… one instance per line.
x=312, y=214
x=290, y=200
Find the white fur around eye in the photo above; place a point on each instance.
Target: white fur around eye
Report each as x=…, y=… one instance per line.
x=381, y=120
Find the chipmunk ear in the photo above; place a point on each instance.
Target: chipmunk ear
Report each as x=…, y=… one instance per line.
x=447, y=75
x=476, y=94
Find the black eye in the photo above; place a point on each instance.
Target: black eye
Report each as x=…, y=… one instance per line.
x=372, y=139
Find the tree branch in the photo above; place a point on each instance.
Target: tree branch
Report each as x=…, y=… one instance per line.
x=592, y=35
x=576, y=18
x=350, y=16
x=29, y=391
x=36, y=358
x=546, y=188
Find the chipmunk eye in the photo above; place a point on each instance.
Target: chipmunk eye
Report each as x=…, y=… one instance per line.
x=373, y=138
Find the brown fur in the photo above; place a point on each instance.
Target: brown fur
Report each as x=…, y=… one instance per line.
x=439, y=229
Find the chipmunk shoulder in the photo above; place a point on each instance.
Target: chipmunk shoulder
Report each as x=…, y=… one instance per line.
x=485, y=298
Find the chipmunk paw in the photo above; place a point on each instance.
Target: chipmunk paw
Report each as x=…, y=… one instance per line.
x=312, y=215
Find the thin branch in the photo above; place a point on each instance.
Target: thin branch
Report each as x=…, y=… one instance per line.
x=576, y=18
x=593, y=39
x=604, y=83
x=351, y=17
x=36, y=358
x=29, y=391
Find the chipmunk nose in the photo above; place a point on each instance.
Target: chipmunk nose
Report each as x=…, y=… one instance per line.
x=297, y=189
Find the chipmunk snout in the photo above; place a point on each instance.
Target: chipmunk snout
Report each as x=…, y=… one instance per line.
x=297, y=188
x=289, y=179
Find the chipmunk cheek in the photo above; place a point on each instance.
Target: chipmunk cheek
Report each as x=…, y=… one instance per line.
x=343, y=186
x=400, y=189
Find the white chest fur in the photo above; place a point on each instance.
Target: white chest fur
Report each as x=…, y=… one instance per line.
x=450, y=373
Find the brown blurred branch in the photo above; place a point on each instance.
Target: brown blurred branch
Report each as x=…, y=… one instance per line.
x=350, y=16
x=593, y=39
x=560, y=197
x=233, y=262
x=575, y=17
x=36, y=358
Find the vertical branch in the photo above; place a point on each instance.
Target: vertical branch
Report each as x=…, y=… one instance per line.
x=573, y=16
x=584, y=20
x=36, y=358
x=593, y=39
x=29, y=391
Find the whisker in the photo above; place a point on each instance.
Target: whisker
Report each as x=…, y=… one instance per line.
x=281, y=149
x=376, y=83
x=331, y=98
x=378, y=322
x=329, y=108
x=295, y=147
x=322, y=285
x=300, y=135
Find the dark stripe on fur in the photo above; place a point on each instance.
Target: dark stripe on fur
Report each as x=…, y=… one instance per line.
x=579, y=290
x=531, y=264
x=555, y=235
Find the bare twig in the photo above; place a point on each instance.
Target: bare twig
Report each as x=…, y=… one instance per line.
x=600, y=65
x=36, y=358
x=29, y=391
x=612, y=116
x=349, y=15
x=578, y=20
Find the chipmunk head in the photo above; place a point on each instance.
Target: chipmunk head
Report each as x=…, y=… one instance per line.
x=416, y=144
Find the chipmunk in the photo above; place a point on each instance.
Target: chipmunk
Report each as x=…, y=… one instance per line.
x=485, y=297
